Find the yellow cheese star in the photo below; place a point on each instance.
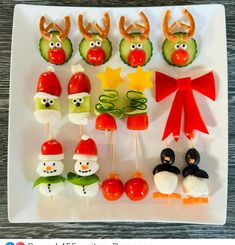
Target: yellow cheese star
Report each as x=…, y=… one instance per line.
x=110, y=78
x=140, y=80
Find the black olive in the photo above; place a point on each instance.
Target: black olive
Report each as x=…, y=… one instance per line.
x=192, y=157
x=168, y=156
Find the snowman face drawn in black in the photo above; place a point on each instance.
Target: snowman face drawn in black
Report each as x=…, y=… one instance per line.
x=50, y=168
x=86, y=167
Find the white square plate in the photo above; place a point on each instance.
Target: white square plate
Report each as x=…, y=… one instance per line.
x=26, y=135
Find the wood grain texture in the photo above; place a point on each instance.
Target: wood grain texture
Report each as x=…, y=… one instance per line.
x=110, y=230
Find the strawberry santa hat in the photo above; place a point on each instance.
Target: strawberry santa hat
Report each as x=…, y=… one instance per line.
x=48, y=85
x=79, y=85
x=51, y=150
x=86, y=149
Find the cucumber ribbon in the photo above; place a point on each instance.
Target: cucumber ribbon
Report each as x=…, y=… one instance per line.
x=106, y=104
x=137, y=105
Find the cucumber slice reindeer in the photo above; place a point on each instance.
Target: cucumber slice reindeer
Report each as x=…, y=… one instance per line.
x=179, y=49
x=95, y=48
x=135, y=48
x=54, y=45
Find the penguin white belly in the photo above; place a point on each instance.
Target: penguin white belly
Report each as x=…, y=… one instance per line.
x=166, y=182
x=51, y=189
x=47, y=116
x=195, y=186
x=87, y=191
x=79, y=118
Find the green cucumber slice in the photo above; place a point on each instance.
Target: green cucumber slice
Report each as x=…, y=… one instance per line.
x=66, y=45
x=124, y=48
x=168, y=47
x=84, y=47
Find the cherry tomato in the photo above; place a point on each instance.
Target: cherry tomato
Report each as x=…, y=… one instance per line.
x=137, y=188
x=56, y=56
x=51, y=147
x=105, y=122
x=137, y=57
x=52, y=87
x=112, y=188
x=79, y=82
x=137, y=122
x=180, y=57
x=96, y=56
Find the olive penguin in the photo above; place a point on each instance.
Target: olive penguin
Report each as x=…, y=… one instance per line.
x=166, y=175
x=195, y=183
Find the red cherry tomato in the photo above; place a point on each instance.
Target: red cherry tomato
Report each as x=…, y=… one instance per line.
x=137, y=188
x=89, y=147
x=51, y=147
x=96, y=56
x=112, y=188
x=105, y=122
x=79, y=82
x=180, y=57
x=56, y=56
x=137, y=122
x=49, y=82
x=137, y=57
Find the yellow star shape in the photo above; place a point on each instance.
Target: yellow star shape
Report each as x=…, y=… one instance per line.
x=140, y=80
x=110, y=78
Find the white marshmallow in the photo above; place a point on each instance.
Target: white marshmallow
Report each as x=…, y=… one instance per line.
x=166, y=182
x=195, y=186
x=47, y=116
x=87, y=191
x=50, y=168
x=51, y=190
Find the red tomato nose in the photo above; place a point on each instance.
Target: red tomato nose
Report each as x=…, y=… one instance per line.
x=180, y=57
x=56, y=56
x=137, y=57
x=96, y=56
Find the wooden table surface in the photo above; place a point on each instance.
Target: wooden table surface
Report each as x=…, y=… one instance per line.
x=110, y=230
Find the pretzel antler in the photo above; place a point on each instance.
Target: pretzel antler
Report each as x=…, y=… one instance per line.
x=126, y=32
x=168, y=31
x=103, y=33
x=45, y=32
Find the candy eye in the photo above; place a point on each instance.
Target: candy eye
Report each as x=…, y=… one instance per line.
x=133, y=46
x=74, y=101
x=92, y=44
x=43, y=101
x=51, y=101
x=58, y=45
x=177, y=46
x=80, y=100
x=184, y=46
x=139, y=46
x=98, y=43
x=51, y=44
x=53, y=164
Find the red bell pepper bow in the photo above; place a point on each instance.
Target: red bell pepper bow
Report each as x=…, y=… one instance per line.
x=184, y=101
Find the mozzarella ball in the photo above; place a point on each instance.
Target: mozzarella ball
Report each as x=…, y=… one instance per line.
x=87, y=191
x=79, y=118
x=47, y=116
x=86, y=167
x=195, y=186
x=166, y=182
x=50, y=168
x=51, y=189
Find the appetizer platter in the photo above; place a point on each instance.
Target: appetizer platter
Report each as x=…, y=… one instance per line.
x=118, y=114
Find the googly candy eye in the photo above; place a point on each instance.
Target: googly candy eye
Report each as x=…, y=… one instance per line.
x=58, y=45
x=133, y=46
x=177, y=46
x=98, y=43
x=51, y=101
x=80, y=100
x=139, y=46
x=75, y=101
x=92, y=44
x=184, y=46
x=43, y=101
x=51, y=44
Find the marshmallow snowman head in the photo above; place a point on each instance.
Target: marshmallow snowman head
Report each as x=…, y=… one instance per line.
x=50, y=159
x=86, y=157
